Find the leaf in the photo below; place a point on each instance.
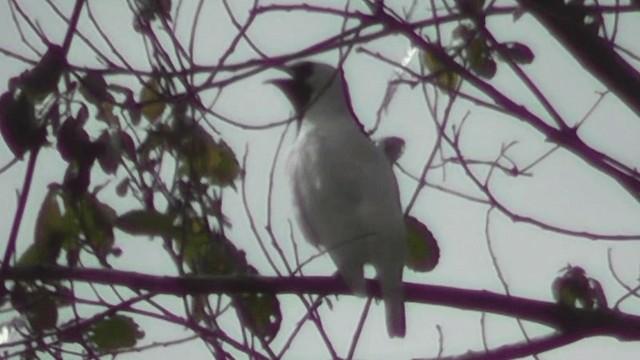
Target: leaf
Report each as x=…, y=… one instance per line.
x=211, y=254
x=39, y=255
x=43, y=79
x=224, y=167
x=149, y=10
x=576, y=290
x=392, y=146
x=470, y=7
x=424, y=252
x=123, y=187
x=95, y=89
x=203, y=157
x=152, y=100
x=146, y=222
x=74, y=143
x=445, y=78
x=518, y=52
x=18, y=124
x=51, y=230
x=479, y=57
x=96, y=219
x=77, y=179
x=115, y=332
x=41, y=310
x=48, y=218
x=260, y=313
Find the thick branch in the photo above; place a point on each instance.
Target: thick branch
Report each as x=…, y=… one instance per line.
x=586, y=323
x=596, y=54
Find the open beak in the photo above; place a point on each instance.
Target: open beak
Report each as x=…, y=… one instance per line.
x=293, y=89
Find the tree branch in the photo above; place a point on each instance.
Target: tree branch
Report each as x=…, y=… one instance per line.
x=604, y=322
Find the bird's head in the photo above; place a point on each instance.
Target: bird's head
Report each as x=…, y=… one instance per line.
x=315, y=90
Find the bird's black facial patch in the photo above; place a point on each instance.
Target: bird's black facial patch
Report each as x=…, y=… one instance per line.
x=302, y=71
x=297, y=89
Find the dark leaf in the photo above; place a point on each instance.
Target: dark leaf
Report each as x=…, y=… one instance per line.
x=115, y=332
x=74, y=143
x=576, y=290
x=41, y=310
x=18, y=125
x=479, y=57
x=393, y=147
x=260, y=313
x=123, y=187
x=77, y=180
x=146, y=222
x=94, y=89
x=96, y=220
x=424, y=252
x=109, y=154
x=43, y=79
x=518, y=52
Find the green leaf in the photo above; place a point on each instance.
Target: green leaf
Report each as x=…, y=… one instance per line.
x=225, y=167
x=259, y=312
x=152, y=101
x=446, y=79
x=115, y=332
x=424, y=252
x=96, y=220
x=202, y=157
x=49, y=234
x=146, y=222
x=212, y=254
x=49, y=217
x=39, y=255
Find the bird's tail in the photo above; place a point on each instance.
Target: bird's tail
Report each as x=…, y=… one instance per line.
x=393, y=295
x=394, y=306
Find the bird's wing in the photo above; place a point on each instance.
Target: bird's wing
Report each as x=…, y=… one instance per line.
x=325, y=189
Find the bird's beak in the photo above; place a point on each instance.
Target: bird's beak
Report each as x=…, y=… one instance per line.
x=287, y=86
x=293, y=89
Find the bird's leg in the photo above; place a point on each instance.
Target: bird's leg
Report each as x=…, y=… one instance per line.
x=353, y=275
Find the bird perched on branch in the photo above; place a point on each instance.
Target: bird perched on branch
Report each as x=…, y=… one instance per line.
x=344, y=190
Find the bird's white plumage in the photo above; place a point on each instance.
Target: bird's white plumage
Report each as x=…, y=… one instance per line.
x=345, y=193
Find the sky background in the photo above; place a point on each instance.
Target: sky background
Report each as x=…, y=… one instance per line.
x=561, y=191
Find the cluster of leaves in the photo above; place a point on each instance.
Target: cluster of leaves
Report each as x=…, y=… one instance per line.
x=74, y=224
x=205, y=252
x=40, y=304
x=147, y=11
x=473, y=49
x=575, y=289
x=21, y=129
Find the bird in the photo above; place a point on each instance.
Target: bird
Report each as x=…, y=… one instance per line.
x=345, y=194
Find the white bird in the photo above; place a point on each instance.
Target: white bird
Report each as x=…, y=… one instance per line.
x=344, y=190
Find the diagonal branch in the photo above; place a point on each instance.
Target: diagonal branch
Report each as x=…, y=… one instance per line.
x=595, y=53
